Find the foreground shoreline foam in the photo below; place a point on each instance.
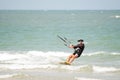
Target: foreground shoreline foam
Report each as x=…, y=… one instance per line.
x=37, y=74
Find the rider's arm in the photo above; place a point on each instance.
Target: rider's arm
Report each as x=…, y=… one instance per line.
x=72, y=46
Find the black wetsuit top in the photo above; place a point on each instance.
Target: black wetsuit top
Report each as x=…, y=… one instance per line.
x=78, y=49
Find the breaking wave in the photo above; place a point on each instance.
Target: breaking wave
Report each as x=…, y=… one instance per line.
x=50, y=60
x=4, y=76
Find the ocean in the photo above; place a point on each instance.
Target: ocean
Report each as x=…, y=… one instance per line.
x=31, y=50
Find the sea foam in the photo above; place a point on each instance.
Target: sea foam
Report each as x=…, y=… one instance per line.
x=50, y=60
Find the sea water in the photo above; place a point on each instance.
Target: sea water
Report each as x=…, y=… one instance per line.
x=28, y=40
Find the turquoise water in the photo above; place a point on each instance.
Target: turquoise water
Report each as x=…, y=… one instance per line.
x=28, y=40
x=38, y=30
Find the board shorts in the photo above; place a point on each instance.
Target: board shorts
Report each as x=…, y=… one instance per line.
x=78, y=52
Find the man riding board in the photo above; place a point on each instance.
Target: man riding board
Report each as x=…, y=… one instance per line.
x=77, y=53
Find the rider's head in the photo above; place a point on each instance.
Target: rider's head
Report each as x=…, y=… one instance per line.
x=81, y=40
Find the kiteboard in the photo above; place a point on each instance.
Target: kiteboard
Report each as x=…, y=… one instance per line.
x=65, y=63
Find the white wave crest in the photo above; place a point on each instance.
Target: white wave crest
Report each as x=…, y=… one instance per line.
x=30, y=59
x=104, y=69
x=91, y=68
x=102, y=53
x=117, y=16
x=7, y=75
x=81, y=78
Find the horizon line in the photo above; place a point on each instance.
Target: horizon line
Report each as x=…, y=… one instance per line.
x=63, y=9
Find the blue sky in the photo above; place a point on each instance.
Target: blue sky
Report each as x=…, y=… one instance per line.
x=59, y=4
